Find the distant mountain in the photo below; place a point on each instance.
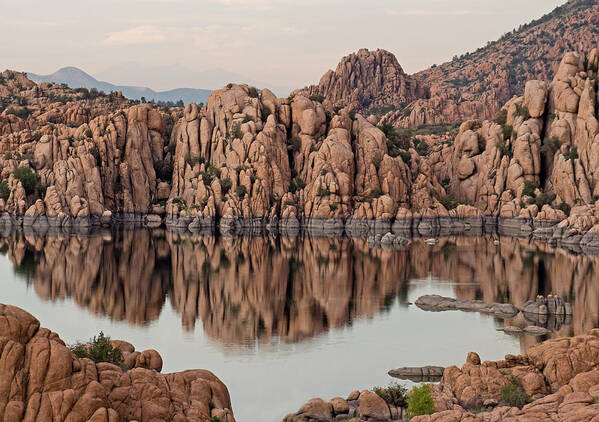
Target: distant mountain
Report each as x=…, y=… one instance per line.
x=136, y=73
x=76, y=78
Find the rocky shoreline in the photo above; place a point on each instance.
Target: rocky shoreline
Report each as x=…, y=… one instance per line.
x=401, y=229
x=558, y=380
x=41, y=379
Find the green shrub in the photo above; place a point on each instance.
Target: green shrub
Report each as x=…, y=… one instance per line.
x=236, y=131
x=164, y=170
x=406, y=157
x=4, y=190
x=551, y=145
x=89, y=133
x=529, y=188
x=503, y=148
x=501, y=117
x=96, y=154
x=213, y=171
x=265, y=113
x=508, y=130
x=394, y=394
x=317, y=98
x=295, y=143
x=522, y=111
x=420, y=401
x=253, y=92
x=544, y=199
x=241, y=191
x=192, y=160
x=376, y=193
x=564, y=207
x=27, y=177
x=449, y=202
x=323, y=191
x=225, y=185
x=22, y=113
x=247, y=118
x=229, y=85
x=514, y=395
x=572, y=154
x=99, y=350
x=422, y=148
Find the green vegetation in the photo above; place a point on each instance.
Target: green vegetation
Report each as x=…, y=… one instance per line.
x=422, y=148
x=449, y=202
x=241, y=191
x=96, y=154
x=27, y=177
x=323, y=191
x=99, y=350
x=265, y=113
x=253, y=92
x=522, y=111
x=4, y=190
x=406, y=157
x=501, y=117
x=192, y=160
x=514, y=395
x=551, y=146
x=294, y=143
x=297, y=184
x=529, y=188
x=394, y=394
x=564, y=207
x=508, y=130
x=317, y=98
x=236, y=131
x=571, y=154
x=503, y=148
x=22, y=113
x=163, y=169
x=420, y=401
x=229, y=85
x=375, y=193
x=89, y=133
x=247, y=118
x=225, y=185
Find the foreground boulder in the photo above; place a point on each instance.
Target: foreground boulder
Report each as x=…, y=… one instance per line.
x=42, y=380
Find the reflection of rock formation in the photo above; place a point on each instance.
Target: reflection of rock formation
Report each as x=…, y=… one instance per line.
x=248, y=289
x=124, y=278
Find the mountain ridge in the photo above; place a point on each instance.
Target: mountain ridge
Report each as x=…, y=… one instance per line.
x=77, y=78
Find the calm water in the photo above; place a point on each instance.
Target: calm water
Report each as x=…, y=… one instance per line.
x=280, y=321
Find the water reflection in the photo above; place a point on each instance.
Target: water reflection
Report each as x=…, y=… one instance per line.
x=244, y=290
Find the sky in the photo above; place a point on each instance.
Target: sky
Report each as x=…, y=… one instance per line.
x=287, y=43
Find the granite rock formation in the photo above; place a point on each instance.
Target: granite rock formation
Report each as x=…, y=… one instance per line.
x=42, y=380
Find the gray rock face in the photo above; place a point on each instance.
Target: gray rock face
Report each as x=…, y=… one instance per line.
x=438, y=303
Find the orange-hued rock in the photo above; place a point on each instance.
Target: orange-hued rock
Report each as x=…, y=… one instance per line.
x=42, y=380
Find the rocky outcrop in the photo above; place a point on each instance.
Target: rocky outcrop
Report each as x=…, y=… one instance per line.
x=365, y=80
x=43, y=380
x=559, y=376
x=248, y=160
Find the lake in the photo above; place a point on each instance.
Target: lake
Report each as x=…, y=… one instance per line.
x=283, y=320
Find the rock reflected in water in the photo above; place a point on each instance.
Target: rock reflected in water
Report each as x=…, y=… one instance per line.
x=258, y=288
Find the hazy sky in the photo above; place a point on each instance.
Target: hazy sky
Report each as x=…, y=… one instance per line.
x=288, y=43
